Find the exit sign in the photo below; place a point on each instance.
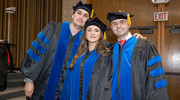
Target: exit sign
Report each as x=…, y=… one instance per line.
x=160, y=16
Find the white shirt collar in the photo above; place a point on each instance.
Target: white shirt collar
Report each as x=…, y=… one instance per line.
x=128, y=36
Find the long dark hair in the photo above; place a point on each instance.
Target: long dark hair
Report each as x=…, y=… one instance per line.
x=100, y=48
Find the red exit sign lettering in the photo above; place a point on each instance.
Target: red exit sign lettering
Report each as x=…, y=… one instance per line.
x=160, y=16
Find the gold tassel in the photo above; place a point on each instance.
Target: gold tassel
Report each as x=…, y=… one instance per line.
x=128, y=19
x=105, y=35
x=92, y=13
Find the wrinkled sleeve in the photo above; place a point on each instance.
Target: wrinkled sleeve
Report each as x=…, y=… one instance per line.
x=35, y=57
x=156, y=84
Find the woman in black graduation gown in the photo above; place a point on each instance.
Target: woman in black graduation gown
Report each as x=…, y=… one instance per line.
x=92, y=65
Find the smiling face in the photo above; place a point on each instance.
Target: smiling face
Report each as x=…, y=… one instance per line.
x=120, y=27
x=93, y=33
x=80, y=17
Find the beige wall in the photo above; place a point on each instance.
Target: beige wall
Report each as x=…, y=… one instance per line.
x=67, y=9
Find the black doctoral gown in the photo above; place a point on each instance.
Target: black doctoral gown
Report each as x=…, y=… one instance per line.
x=143, y=77
x=99, y=86
x=39, y=59
x=3, y=67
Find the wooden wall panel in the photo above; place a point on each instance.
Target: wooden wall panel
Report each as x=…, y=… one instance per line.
x=172, y=41
x=142, y=9
x=172, y=51
x=173, y=9
x=30, y=18
x=173, y=86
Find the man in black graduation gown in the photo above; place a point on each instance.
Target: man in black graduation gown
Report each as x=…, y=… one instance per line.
x=46, y=64
x=137, y=67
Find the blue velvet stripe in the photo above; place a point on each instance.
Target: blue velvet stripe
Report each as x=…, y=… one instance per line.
x=67, y=83
x=154, y=60
x=88, y=68
x=125, y=71
x=107, y=43
x=161, y=84
x=58, y=62
x=75, y=79
x=114, y=84
x=89, y=64
x=43, y=38
x=157, y=72
x=39, y=47
x=33, y=55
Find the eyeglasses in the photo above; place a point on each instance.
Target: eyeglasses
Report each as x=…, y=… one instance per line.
x=122, y=22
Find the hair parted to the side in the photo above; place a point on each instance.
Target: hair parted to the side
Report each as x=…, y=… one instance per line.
x=100, y=48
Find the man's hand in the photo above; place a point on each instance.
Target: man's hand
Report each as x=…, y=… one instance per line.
x=139, y=36
x=29, y=89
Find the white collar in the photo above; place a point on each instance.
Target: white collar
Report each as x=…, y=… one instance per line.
x=128, y=36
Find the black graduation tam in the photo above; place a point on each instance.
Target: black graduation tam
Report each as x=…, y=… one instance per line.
x=80, y=5
x=96, y=22
x=118, y=15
